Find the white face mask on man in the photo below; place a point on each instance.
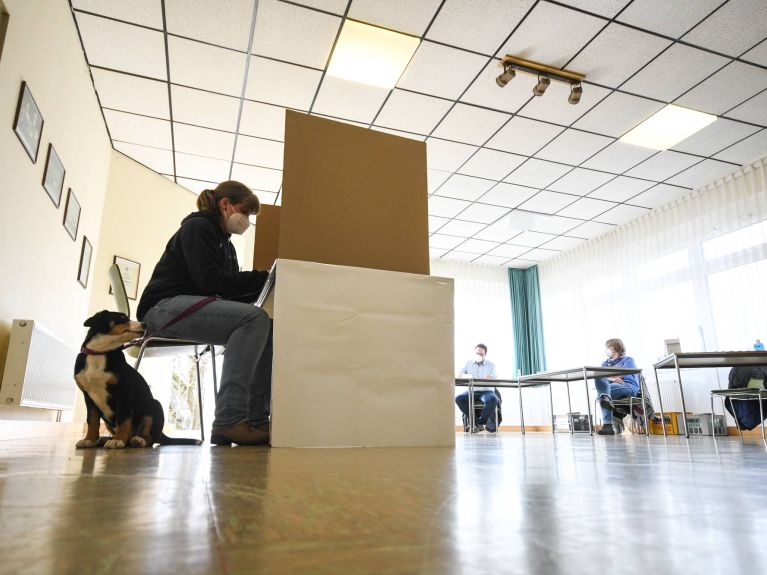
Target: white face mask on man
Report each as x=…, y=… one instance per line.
x=237, y=223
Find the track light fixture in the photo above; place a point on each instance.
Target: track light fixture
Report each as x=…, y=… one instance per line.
x=545, y=74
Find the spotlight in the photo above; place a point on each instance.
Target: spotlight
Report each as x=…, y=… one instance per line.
x=540, y=87
x=506, y=77
x=576, y=90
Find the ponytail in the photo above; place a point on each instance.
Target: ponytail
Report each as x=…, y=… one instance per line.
x=235, y=192
x=206, y=201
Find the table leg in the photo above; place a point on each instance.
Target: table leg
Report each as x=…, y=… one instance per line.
x=569, y=409
x=521, y=410
x=588, y=402
x=761, y=413
x=713, y=418
x=472, y=425
x=660, y=402
x=681, y=393
x=551, y=404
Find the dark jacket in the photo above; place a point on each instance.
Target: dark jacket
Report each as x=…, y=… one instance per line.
x=746, y=412
x=200, y=260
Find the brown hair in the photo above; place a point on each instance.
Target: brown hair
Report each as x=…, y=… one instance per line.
x=617, y=345
x=235, y=192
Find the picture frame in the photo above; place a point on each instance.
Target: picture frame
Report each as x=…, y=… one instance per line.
x=129, y=271
x=53, y=177
x=85, y=262
x=72, y=214
x=28, y=122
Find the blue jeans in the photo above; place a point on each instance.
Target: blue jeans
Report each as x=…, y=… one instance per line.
x=244, y=393
x=489, y=401
x=613, y=391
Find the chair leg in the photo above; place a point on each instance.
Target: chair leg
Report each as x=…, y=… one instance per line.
x=215, y=375
x=140, y=356
x=199, y=392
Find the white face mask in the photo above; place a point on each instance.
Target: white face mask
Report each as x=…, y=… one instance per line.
x=237, y=223
x=608, y=352
x=478, y=358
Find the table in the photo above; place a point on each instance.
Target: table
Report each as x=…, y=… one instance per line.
x=705, y=359
x=576, y=374
x=502, y=383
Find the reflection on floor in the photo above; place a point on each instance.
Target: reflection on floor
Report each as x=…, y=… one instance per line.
x=536, y=504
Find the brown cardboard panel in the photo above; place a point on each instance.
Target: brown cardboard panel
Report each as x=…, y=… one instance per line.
x=353, y=197
x=267, y=237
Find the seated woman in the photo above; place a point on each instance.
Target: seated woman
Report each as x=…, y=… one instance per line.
x=610, y=388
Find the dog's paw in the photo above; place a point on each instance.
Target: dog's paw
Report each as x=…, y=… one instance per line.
x=83, y=443
x=137, y=441
x=114, y=444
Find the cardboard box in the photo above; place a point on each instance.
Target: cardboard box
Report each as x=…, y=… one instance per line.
x=672, y=421
x=578, y=422
x=266, y=245
x=700, y=424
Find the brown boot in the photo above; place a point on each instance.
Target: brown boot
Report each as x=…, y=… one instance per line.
x=242, y=434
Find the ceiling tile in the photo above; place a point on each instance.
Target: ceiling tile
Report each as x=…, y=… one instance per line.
x=586, y=208
x=753, y=110
x=263, y=120
x=294, y=34
x=485, y=92
x=702, y=174
x=733, y=29
x=618, y=157
x=658, y=196
x=752, y=148
x=446, y=207
x=520, y=264
x=726, y=89
x=491, y=164
x=617, y=44
x=547, y=202
x=429, y=74
x=400, y=15
x=474, y=246
x=202, y=168
x=573, y=147
x=461, y=228
x=758, y=54
x=674, y=72
x=196, y=186
x=459, y=256
x=620, y=189
x=203, y=142
x=671, y=18
x=257, y=178
x=531, y=239
x=524, y=136
x=349, y=100
x=143, y=12
x=447, y=156
x=617, y=114
x=131, y=94
x=563, y=243
x=479, y=25
x=540, y=254
x=342, y=120
x=491, y=260
x=580, y=181
x=590, y=230
x=207, y=67
x=464, y=187
x=554, y=107
x=435, y=222
x=509, y=251
x=554, y=224
x=483, y=213
x=122, y=47
x=138, y=129
x=435, y=179
x=436, y=253
x=161, y=161
x=552, y=34
x=445, y=242
x=470, y=124
x=537, y=173
x=282, y=84
x=663, y=165
x=621, y=214
x=205, y=109
x=400, y=133
x=264, y=197
x=608, y=8
x=334, y=6
x=259, y=152
x=412, y=112
x=496, y=233
x=715, y=137
x=508, y=195
x=222, y=23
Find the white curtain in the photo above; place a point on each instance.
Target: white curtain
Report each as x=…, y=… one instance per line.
x=693, y=270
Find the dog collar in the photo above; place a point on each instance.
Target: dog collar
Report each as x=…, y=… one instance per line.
x=87, y=351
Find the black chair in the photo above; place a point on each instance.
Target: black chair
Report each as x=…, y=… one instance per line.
x=478, y=407
x=635, y=405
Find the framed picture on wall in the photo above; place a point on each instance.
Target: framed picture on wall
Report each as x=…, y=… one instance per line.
x=53, y=179
x=85, y=262
x=28, y=123
x=71, y=214
x=129, y=271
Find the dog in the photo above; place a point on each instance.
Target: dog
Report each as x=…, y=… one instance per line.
x=114, y=391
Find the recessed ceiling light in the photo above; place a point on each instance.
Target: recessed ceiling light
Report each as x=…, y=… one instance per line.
x=667, y=127
x=371, y=55
x=521, y=220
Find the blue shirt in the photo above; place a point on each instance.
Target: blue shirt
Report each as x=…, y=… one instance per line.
x=483, y=370
x=627, y=362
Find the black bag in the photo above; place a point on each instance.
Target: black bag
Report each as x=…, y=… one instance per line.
x=746, y=413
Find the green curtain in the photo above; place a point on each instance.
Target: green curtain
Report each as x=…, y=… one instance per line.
x=527, y=320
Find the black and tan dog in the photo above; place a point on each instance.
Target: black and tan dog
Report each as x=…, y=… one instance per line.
x=114, y=391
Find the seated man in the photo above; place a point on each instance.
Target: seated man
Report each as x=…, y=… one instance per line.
x=481, y=368
x=610, y=388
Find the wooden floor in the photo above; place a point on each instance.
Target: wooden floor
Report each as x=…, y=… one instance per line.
x=534, y=504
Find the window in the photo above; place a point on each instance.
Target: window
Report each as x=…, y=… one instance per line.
x=667, y=264
x=4, y=17
x=742, y=239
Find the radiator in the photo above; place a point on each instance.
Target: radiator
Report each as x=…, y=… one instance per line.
x=38, y=369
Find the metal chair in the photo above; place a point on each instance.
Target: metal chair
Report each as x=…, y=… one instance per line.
x=478, y=406
x=739, y=394
x=163, y=346
x=642, y=400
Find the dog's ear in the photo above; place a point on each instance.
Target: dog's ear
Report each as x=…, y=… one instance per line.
x=91, y=321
